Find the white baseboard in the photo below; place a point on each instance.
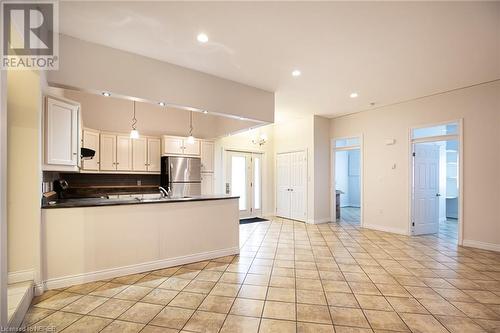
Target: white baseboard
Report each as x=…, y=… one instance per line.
x=21, y=276
x=481, y=245
x=66, y=281
x=386, y=229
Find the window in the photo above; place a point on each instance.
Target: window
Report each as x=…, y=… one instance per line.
x=347, y=142
x=447, y=129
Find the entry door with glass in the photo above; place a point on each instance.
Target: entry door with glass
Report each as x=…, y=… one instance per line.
x=244, y=178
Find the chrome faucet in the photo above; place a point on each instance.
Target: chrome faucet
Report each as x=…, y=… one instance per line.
x=165, y=193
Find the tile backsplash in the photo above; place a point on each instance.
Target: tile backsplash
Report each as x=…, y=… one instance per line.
x=92, y=185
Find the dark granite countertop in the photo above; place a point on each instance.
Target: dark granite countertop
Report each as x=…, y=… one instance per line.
x=97, y=202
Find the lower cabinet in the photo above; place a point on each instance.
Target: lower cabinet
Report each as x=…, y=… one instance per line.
x=207, y=183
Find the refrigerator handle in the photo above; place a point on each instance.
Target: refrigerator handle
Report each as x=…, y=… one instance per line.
x=170, y=169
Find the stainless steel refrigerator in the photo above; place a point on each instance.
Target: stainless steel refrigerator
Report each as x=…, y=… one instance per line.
x=182, y=175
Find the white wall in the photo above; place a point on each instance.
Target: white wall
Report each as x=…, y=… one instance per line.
x=386, y=204
x=95, y=67
x=24, y=105
x=321, y=175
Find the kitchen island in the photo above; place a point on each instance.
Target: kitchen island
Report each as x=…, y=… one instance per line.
x=87, y=240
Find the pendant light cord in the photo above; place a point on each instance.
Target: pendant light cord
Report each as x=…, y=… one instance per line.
x=134, y=120
x=190, y=123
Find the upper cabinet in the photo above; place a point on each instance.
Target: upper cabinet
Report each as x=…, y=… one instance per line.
x=154, y=155
x=123, y=153
x=172, y=145
x=207, y=156
x=61, y=134
x=107, y=152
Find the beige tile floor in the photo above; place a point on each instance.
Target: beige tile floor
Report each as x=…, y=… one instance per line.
x=293, y=277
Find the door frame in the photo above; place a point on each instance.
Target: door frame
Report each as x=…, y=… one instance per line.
x=263, y=179
x=460, y=137
x=306, y=192
x=3, y=200
x=333, y=197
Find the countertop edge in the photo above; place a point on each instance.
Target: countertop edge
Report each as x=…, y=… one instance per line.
x=133, y=202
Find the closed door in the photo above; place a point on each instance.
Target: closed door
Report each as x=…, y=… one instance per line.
x=291, y=182
x=123, y=153
x=298, y=181
x=107, y=152
x=140, y=154
x=283, y=185
x=91, y=141
x=191, y=148
x=207, y=183
x=425, y=210
x=154, y=158
x=207, y=156
x=61, y=134
x=244, y=179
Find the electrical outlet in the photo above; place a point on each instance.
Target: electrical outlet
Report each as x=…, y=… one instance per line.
x=139, y=182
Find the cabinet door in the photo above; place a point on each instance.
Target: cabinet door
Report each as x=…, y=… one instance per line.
x=91, y=141
x=61, y=133
x=172, y=146
x=207, y=156
x=140, y=154
x=207, y=183
x=154, y=156
x=107, y=147
x=192, y=148
x=123, y=153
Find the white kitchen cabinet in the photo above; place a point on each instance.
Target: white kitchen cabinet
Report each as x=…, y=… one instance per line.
x=107, y=152
x=61, y=133
x=140, y=154
x=91, y=141
x=291, y=185
x=207, y=183
x=179, y=146
x=207, y=156
x=172, y=146
x=191, y=148
x=123, y=153
x=154, y=155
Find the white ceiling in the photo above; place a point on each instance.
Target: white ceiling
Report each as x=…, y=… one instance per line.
x=386, y=51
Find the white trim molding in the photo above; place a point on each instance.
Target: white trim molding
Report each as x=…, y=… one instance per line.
x=400, y=231
x=70, y=280
x=481, y=245
x=21, y=276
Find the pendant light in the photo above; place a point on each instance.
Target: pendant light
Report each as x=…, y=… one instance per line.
x=134, y=133
x=190, y=138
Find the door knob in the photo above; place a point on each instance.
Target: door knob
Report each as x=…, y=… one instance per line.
x=438, y=194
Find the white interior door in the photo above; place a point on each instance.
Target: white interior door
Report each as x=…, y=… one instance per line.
x=425, y=210
x=291, y=174
x=298, y=185
x=283, y=185
x=244, y=178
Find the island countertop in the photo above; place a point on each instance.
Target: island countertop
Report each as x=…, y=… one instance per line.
x=103, y=201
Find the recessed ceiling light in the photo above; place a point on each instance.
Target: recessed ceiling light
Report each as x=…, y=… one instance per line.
x=161, y=103
x=105, y=93
x=353, y=95
x=296, y=72
x=205, y=111
x=202, y=38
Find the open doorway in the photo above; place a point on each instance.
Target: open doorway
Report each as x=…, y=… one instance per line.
x=435, y=198
x=347, y=180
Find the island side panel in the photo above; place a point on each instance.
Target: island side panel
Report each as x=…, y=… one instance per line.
x=91, y=243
